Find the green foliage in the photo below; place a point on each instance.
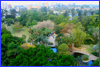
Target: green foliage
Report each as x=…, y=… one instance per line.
x=57, y=28
x=2, y=20
x=80, y=36
x=66, y=13
x=63, y=49
x=73, y=12
x=95, y=63
x=17, y=27
x=94, y=32
x=13, y=13
x=40, y=56
x=64, y=60
x=24, y=36
x=9, y=21
x=9, y=47
x=4, y=31
x=58, y=37
x=85, y=57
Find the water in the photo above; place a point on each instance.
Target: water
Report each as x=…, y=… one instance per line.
x=80, y=56
x=54, y=50
x=76, y=55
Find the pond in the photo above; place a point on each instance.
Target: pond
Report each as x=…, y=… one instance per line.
x=82, y=63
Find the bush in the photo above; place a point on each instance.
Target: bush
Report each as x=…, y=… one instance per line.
x=63, y=49
x=85, y=57
x=24, y=36
x=95, y=63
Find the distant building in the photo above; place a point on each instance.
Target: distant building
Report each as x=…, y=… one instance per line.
x=4, y=5
x=9, y=6
x=46, y=4
x=29, y=7
x=34, y=7
x=37, y=7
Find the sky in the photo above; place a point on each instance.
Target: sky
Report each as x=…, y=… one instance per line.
x=51, y=2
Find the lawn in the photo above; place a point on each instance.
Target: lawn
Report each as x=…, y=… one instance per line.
x=88, y=48
x=23, y=32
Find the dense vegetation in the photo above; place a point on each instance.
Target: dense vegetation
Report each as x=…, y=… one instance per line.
x=82, y=29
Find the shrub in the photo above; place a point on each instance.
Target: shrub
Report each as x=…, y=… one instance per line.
x=63, y=49
x=85, y=57
x=95, y=63
x=24, y=36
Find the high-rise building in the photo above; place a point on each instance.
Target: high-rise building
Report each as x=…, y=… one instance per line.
x=9, y=6
x=46, y=4
x=29, y=7
x=4, y=5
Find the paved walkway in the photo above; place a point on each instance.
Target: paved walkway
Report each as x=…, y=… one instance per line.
x=91, y=57
x=52, y=40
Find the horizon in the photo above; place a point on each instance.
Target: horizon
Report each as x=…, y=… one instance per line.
x=51, y=2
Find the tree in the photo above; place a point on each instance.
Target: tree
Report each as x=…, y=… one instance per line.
x=66, y=13
x=57, y=28
x=44, y=9
x=94, y=32
x=58, y=38
x=92, y=12
x=5, y=12
x=63, y=49
x=9, y=22
x=95, y=63
x=2, y=13
x=51, y=12
x=31, y=38
x=13, y=13
x=73, y=12
x=85, y=13
x=80, y=15
x=80, y=37
x=38, y=56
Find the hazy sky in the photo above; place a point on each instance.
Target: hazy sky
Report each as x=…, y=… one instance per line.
x=50, y=2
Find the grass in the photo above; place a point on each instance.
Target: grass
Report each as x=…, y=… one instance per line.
x=23, y=32
x=88, y=48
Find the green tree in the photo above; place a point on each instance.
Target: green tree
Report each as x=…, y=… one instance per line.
x=85, y=13
x=80, y=15
x=13, y=13
x=38, y=56
x=6, y=12
x=63, y=49
x=73, y=12
x=95, y=63
x=92, y=12
x=10, y=22
x=2, y=13
x=66, y=13
x=57, y=28
x=58, y=38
